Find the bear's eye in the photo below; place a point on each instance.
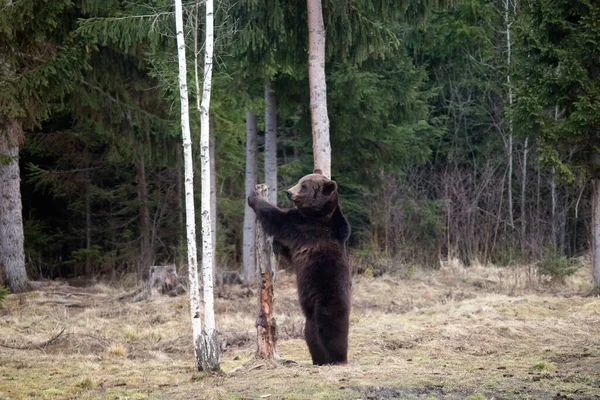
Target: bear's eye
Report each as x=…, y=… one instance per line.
x=304, y=186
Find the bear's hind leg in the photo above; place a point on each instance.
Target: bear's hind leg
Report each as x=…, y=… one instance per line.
x=311, y=334
x=333, y=334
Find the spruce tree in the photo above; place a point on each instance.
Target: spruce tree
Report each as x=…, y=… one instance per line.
x=40, y=62
x=558, y=92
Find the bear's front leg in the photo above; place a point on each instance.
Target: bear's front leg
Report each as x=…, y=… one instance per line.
x=270, y=217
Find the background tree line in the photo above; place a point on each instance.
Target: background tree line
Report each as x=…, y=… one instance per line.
x=462, y=130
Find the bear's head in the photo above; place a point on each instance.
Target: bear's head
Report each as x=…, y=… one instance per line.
x=314, y=195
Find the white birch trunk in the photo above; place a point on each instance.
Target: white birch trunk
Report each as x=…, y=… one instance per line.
x=211, y=350
x=271, y=143
x=213, y=184
x=318, y=87
x=189, y=192
x=249, y=247
x=12, y=253
x=510, y=103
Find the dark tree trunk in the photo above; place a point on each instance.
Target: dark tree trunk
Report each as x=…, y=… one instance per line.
x=145, y=227
x=213, y=194
x=88, y=230
x=180, y=210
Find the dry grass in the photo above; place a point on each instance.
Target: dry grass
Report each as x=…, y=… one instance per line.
x=477, y=333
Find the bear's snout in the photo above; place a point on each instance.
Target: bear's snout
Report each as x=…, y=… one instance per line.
x=288, y=193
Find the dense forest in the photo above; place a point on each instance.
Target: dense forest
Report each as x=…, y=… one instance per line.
x=464, y=130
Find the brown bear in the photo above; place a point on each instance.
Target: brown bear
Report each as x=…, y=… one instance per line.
x=313, y=237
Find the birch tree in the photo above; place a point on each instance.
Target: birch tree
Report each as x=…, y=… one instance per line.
x=318, y=87
x=205, y=348
x=213, y=183
x=211, y=349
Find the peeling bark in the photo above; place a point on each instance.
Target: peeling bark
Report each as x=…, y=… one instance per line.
x=266, y=326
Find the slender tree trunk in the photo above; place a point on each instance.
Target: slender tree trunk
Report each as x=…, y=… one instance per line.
x=271, y=142
x=88, y=230
x=180, y=184
x=523, y=192
x=249, y=249
x=510, y=103
x=213, y=194
x=554, y=196
x=271, y=152
x=318, y=87
x=554, y=201
x=12, y=253
x=596, y=231
x=146, y=258
x=189, y=192
x=538, y=200
x=265, y=323
x=210, y=353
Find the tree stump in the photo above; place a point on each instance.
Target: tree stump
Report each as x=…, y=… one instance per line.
x=163, y=280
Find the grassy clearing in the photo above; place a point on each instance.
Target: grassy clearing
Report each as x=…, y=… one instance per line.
x=477, y=333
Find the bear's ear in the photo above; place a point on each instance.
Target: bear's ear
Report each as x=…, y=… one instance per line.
x=329, y=187
x=318, y=171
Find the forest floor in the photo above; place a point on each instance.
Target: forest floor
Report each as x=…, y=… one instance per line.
x=453, y=333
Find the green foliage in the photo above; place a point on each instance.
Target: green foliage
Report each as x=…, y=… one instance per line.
x=555, y=265
x=379, y=112
x=42, y=60
x=510, y=255
x=558, y=86
x=544, y=366
x=40, y=246
x=102, y=260
x=465, y=67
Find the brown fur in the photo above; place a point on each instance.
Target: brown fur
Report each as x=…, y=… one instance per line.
x=312, y=237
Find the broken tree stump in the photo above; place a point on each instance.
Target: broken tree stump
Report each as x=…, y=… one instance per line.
x=163, y=280
x=266, y=326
